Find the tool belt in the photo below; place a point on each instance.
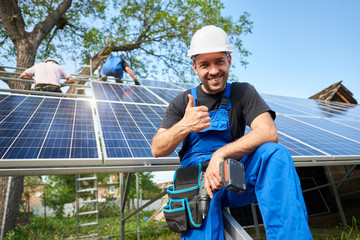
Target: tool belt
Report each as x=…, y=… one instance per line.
x=182, y=210
x=47, y=88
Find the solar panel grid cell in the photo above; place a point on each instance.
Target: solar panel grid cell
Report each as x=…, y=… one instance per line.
x=328, y=142
x=46, y=128
x=166, y=94
x=156, y=83
x=314, y=107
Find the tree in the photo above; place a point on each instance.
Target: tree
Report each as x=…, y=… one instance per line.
x=153, y=35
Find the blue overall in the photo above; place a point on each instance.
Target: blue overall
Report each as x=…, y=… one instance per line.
x=270, y=178
x=112, y=67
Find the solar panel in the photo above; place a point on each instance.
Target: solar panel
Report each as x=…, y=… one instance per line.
x=127, y=130
x=49, y=131
x=123, y=93
x=325, y=141
x=166, y=94
x=298, y=106
x=34, y=130
x=158, y=83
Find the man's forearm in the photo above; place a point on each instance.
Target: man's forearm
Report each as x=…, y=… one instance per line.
x=69, y=80
x=166, y=140
x=24, y=75
x=246, y=144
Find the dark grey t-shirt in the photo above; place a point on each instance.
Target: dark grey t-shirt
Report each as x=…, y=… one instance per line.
x=246, y=105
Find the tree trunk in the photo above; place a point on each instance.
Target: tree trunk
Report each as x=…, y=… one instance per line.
x=10, y=201
x=26, y=53
x=26, y=45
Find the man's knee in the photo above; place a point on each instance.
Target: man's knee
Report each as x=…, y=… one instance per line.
x=274, y=151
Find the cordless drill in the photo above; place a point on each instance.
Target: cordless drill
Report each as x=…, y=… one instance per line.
x=233, y=177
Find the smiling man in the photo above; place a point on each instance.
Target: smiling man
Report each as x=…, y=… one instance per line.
x=210, y=120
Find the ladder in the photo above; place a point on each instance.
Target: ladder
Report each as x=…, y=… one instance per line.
x=87, y=206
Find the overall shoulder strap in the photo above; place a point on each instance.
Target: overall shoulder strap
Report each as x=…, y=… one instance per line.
x=225, y=101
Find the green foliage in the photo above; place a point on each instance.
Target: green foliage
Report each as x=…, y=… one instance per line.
x=153, y=35
x=149, y=189
x=108, y=209
x=39, y=229
x=59, y=190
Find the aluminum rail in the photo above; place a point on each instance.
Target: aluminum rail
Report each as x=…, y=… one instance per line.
x=32, y=81
x=18, y=68
x=32, y=171
x=233, y=229
x=63, y=170
x=32, y=92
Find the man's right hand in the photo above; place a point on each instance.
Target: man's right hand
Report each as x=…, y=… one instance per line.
x=196, y=118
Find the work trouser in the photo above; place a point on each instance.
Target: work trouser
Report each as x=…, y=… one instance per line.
x=270, y=178
x=47, y=88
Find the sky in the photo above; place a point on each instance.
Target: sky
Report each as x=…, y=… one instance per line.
x=298, y=47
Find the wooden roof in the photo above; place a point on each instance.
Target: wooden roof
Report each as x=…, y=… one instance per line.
x=336, y=92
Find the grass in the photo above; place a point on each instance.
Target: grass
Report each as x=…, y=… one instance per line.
x=328, y=229
x=108, y=228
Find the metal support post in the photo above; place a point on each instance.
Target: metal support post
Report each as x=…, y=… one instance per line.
x=121, y=175
x=337, y=198
x=137, y=206
x=256, y=221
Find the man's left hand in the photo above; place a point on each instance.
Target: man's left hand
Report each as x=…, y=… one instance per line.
x=212, y=176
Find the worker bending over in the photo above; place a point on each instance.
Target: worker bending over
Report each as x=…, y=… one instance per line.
x=47, y=75
x=115, y=66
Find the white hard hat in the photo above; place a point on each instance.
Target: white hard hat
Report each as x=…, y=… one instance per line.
x=210, y=39
x=51, y=59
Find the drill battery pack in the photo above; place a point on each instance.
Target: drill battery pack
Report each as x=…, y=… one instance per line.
x=233, y=175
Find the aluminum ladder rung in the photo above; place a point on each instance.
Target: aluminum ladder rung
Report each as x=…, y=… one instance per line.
x=87, y=213
x=86, y=178
x=87, y=190
x=90, y=189
x=89, y=235
x=88, y=224
x=88, y=201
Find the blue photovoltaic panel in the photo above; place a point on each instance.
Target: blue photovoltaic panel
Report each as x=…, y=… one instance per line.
x=35, y=128
x=350, y=123
x=166, y=94
x=283, y=108
x=161, y=84
x=296, y=148
x=186, y=85
x=128, y=129
x=327, y=142
x=298, y=106
x=334, y=127
x=123, y=93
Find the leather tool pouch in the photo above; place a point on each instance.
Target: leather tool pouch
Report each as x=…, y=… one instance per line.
x=181, y=212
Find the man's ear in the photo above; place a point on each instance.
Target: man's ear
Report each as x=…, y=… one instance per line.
x=229, y=60
x=194, y=67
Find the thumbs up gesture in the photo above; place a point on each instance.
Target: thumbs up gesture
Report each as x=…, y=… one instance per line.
x=196, y=118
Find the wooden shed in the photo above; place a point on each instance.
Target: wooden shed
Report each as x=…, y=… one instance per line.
x=336, y=92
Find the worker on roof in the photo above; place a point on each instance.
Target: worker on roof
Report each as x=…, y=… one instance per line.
x=47, y=75
x=115, y=66
x=210, y=120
